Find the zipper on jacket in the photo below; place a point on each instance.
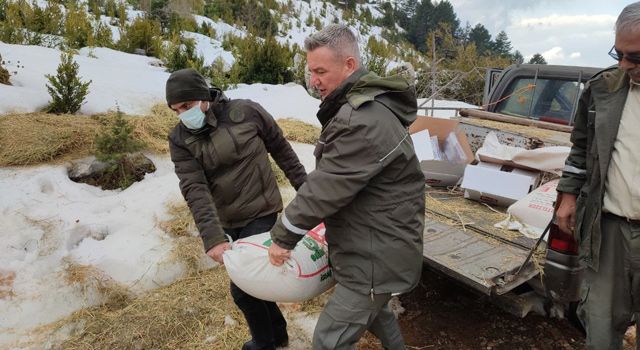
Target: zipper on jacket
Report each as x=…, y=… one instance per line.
x=233, y=139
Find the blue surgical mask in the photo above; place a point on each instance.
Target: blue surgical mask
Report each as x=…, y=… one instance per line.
x=193, y=118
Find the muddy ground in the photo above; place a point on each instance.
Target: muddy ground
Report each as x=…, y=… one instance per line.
x=440, y=314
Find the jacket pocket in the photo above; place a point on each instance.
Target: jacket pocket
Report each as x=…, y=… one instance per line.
x=224, y=146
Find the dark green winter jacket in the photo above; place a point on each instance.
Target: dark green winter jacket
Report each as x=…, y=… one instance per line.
x=594, y=134
x=367, y=187
x=224, y=170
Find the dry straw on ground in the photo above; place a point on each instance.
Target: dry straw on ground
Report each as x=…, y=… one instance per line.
x=195, y=312
x=35, y=138
x=192, y=313
x=92, y=280
x=298, y=131
x=187, y=245
x=39, y=138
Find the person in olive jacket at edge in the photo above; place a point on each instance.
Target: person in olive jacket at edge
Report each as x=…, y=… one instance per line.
x=220, y=149
x=367, y=187
x=598, y=194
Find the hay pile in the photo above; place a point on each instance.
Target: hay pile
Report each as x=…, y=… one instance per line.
x=34, y=138
x=298, y=131
x=193, y=313
x=153, y=129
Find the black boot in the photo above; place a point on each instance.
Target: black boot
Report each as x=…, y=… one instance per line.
x=257, y=315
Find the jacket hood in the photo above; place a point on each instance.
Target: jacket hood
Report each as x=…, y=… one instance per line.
x=394, y=92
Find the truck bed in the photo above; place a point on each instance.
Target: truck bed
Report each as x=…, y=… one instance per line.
x=461, y=241
x=459, y=237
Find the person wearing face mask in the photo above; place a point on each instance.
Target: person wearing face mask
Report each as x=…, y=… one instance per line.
x=220, y=151
x=599, y=196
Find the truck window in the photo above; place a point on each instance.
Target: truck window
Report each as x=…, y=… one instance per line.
x=543, y=99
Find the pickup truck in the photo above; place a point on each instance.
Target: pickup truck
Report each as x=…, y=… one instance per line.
x=528, y=106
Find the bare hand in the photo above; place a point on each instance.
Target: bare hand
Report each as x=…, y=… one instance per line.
x=566, y=212
x=216, y=252
x=278, y=255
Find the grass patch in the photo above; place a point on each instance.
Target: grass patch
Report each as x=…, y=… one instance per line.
x=298, y=131
x=34, y=138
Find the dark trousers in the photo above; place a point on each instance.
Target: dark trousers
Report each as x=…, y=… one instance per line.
x=611, y=295
x=266, y=323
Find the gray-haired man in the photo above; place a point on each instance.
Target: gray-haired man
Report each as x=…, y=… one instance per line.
x=367, y=187
x=599, y=198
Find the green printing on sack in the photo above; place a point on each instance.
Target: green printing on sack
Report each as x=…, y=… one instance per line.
x=312, y=245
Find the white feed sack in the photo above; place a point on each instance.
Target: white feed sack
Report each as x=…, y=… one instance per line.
x=532, y=214
x=305, y=275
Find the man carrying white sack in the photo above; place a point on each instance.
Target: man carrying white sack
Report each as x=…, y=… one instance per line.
x=220, y=150
x=367, y=187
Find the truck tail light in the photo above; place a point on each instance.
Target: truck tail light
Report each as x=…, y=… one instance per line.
x=562, y=242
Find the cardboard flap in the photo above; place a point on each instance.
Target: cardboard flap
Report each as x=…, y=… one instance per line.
x=488, y=180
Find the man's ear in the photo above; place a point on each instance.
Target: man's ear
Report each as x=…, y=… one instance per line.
x=352, y=65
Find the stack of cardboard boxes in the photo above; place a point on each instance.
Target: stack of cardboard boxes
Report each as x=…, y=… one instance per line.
x=446, y=159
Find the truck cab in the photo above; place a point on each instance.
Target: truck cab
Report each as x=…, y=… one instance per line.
x=540, y=92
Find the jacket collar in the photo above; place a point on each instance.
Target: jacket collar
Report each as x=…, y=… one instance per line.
x=334, y=101
x=610, y=95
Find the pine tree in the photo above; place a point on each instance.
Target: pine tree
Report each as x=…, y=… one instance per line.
x=502, y=45
x=479, y=35
x=142, y=33
x=113, y=144
x=78, y=31
x=66, y=90
x=537, y=59
x=517, y=57
x=182, y=54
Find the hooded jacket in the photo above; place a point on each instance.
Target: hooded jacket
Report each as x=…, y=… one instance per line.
x=367, y=187
x=224, y=169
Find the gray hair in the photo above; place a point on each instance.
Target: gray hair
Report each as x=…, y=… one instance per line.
x=629, y=18
x=337, y=37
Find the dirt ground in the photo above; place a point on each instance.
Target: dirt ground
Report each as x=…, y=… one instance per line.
x=440, y=314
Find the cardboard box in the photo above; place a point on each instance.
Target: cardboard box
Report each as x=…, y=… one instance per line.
x=496, y=184
x=442, y=172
